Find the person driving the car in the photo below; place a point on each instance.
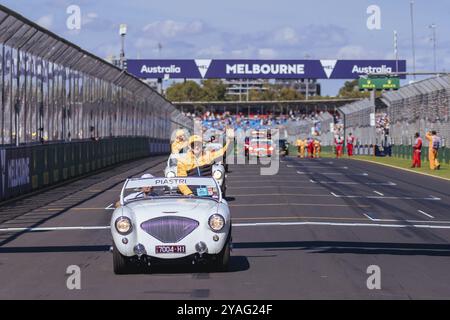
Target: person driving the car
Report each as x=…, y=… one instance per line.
x=144, y=192
x=197, y=157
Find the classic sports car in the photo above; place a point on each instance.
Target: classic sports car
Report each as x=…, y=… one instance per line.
x=217, y=171
x=160, y=225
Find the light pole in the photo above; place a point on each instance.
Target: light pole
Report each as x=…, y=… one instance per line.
x=433, y=27
x=413, y=37
x=123, y=33
x=307, y=56
x=396, y=50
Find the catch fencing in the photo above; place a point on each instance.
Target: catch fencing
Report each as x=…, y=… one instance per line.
x=52, y=90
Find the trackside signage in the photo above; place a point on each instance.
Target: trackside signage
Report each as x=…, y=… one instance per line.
x=261, y=69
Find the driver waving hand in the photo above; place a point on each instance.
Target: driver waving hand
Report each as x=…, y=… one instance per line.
x=197, y=157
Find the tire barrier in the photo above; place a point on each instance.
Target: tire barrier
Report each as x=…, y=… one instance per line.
x=29, y=168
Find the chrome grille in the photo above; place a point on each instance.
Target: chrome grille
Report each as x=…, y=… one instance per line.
x=170, y=229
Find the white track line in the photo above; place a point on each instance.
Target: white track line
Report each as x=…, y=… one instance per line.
x=381, y=183
x=110, y=207
x=369, y=217
x=54, y=229
x=355, y=183
x=316, y=167
x=426, y=214
x=257, y=224
x=339, y=224
x=431, y=198
x=272, y=187
x=336, y=173
x=378, y=193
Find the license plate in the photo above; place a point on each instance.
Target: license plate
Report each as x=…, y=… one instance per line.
x=170, y=249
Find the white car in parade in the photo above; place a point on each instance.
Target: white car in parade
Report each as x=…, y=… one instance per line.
x=217, y=172
x=156, y=223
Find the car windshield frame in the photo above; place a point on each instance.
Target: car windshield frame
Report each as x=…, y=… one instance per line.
x=137, y=183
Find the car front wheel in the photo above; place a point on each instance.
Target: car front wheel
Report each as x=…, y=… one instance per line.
x=121, y=263
x=223, y=258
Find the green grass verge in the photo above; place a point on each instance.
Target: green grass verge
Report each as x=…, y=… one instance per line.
x=444, y=172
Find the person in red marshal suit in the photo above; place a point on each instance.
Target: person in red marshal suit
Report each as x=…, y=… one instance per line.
x=350, y=144
x=417, y=151
x=339, y=142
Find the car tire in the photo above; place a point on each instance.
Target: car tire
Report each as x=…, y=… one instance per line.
x=121, y=263
x=222, y=262
x=224, y=191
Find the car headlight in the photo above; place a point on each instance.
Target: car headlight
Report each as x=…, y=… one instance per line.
x=216, y=222
x=171, y=174
x=124, y=226
x=218, y=175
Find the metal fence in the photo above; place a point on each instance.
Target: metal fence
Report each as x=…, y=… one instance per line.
x=304, y=128
x=28, y=168
x=357, y=122
x=419, y=107
x=52, y=90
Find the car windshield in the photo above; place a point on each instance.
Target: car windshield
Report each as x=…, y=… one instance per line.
x=154, y=188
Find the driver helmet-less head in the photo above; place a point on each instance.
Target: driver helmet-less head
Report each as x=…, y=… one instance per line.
x=147, y=190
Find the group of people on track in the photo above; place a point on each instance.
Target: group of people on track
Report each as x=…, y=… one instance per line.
x=309, y=147
x=434, y=144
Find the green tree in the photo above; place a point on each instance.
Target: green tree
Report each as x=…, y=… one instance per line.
x=289, y=94
x=185, y=91
x=213, y=90
x=351, y=90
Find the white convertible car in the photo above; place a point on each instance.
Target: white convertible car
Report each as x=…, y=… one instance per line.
x=157, y=224
x=218, y=171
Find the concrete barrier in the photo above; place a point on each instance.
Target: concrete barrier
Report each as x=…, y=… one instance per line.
x=29, y=168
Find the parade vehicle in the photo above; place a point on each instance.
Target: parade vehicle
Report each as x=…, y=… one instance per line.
x=217, y=171
x=171, y=168
x=283, y=147
x=167, y=227
x=260, y=148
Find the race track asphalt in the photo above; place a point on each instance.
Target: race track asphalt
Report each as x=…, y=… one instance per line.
x=309, y=232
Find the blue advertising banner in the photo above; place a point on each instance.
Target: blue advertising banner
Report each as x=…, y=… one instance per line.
x=262, y=69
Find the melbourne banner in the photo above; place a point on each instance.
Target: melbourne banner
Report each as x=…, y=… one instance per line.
x=262, y=69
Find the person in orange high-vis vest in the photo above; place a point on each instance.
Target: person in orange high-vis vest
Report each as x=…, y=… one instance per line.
x=301, y=148
x=417, y=151
x=434, y=143
x=317, y=149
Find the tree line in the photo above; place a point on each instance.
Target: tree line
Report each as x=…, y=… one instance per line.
x=215, y=90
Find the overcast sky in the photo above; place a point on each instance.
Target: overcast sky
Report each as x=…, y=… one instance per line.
x=293, y=29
